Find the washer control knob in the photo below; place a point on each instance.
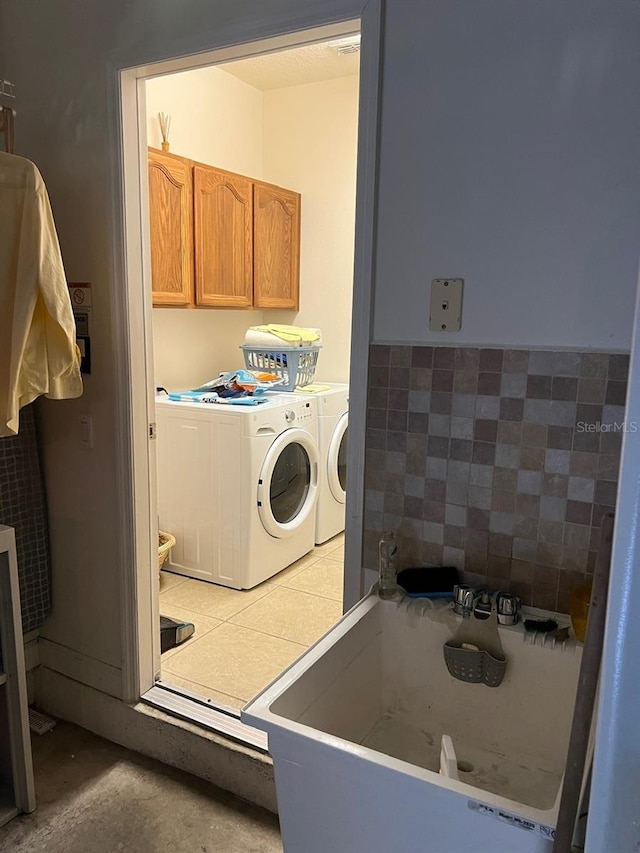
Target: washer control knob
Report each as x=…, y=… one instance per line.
x=289, y=416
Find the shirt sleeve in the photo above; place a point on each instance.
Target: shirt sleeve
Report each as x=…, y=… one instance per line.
x=44, y=356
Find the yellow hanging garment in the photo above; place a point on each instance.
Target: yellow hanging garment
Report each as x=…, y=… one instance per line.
x=38, y=352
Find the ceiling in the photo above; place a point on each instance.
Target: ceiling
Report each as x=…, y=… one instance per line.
x=309, y=64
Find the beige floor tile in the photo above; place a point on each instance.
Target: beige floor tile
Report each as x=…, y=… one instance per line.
x=290, y=614
x=337, y=555
x=169, y=580
x=329, y=545
x=220, y=602
x=294, y=569
x=201, y=689
x=325, y=577
x=234, y=660
x=323, y=550
x=203, y=624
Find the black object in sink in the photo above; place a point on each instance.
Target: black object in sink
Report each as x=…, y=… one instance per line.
x=429, y=581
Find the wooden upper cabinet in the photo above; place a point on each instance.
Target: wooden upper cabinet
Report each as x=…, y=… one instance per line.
x=276, y=247
x=223, y=215
x=171, y=228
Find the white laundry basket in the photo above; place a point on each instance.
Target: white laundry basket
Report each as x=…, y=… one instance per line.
x=295, y=365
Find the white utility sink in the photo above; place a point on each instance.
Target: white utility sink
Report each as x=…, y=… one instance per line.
x=361, y=724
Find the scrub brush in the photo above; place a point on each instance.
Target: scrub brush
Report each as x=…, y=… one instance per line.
x=543, y=625
x=560, y=635
x=539, y=626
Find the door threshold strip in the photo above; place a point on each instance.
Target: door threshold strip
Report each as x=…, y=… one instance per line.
x=187, y=706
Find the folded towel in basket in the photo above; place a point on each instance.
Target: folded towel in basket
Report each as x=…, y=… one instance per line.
x=276, y=334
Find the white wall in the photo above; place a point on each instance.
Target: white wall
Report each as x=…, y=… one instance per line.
x=509, y=157
x=310, y=144
x=215, y=119
x=443, y=199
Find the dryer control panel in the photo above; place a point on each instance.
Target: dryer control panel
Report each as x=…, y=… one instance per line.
x=281, y=412
x=300, y=413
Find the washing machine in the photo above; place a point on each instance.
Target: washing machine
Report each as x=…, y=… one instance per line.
x=237, y=486
x=333, y=419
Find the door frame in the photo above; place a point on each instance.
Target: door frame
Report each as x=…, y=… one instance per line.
x=131, y=300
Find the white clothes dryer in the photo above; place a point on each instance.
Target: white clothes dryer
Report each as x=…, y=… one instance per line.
x=333, y=420
x=237, y=486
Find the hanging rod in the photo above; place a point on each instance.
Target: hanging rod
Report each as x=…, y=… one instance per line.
x=7, y=89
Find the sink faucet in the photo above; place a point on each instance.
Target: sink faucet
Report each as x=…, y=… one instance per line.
x=465, y=598
x=508, y=607
x=479, y=601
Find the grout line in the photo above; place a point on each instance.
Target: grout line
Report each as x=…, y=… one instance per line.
x=262, y=597
x=201, y=684
x=171, y=653
x=315, y=594
x=190, y=643
x=287, y=639
x=178, y=579
x=220, y=618
x=227, y=620
x=304, y=646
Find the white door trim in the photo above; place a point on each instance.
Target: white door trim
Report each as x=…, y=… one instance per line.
x=613, y=804
x=131, y=302
x=363, y=286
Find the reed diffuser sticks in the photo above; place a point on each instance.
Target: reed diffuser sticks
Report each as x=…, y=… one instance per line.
x=164, y=120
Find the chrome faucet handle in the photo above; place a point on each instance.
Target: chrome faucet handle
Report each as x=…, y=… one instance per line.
x=508, y=607
x=482, y=604
x=463, y=598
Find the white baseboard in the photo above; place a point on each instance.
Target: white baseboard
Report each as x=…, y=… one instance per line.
x=79, y=667
x=229, y=765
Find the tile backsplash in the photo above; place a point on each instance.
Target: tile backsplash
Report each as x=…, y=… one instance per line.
x=500, y=462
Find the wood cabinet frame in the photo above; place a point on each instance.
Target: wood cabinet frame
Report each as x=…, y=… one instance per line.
x=238, y=240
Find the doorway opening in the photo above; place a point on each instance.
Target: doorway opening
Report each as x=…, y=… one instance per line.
x=260, y=584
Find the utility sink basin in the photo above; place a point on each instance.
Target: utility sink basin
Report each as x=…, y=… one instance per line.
x=376, y=747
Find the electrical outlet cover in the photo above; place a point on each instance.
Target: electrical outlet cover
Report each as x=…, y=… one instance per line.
x=445, y=311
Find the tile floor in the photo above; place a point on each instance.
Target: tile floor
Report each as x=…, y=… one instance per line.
x=245, y=638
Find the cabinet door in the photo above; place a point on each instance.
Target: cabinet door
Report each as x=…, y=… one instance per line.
x=223, y=213
x=171, y=227
x=276, y=247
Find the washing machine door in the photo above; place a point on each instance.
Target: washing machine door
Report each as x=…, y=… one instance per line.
x=337, y=460
x=288, y=483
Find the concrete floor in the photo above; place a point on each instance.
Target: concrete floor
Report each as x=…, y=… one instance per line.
x=96, y=797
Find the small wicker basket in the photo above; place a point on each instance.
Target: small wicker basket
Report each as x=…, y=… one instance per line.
x=165, y=543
